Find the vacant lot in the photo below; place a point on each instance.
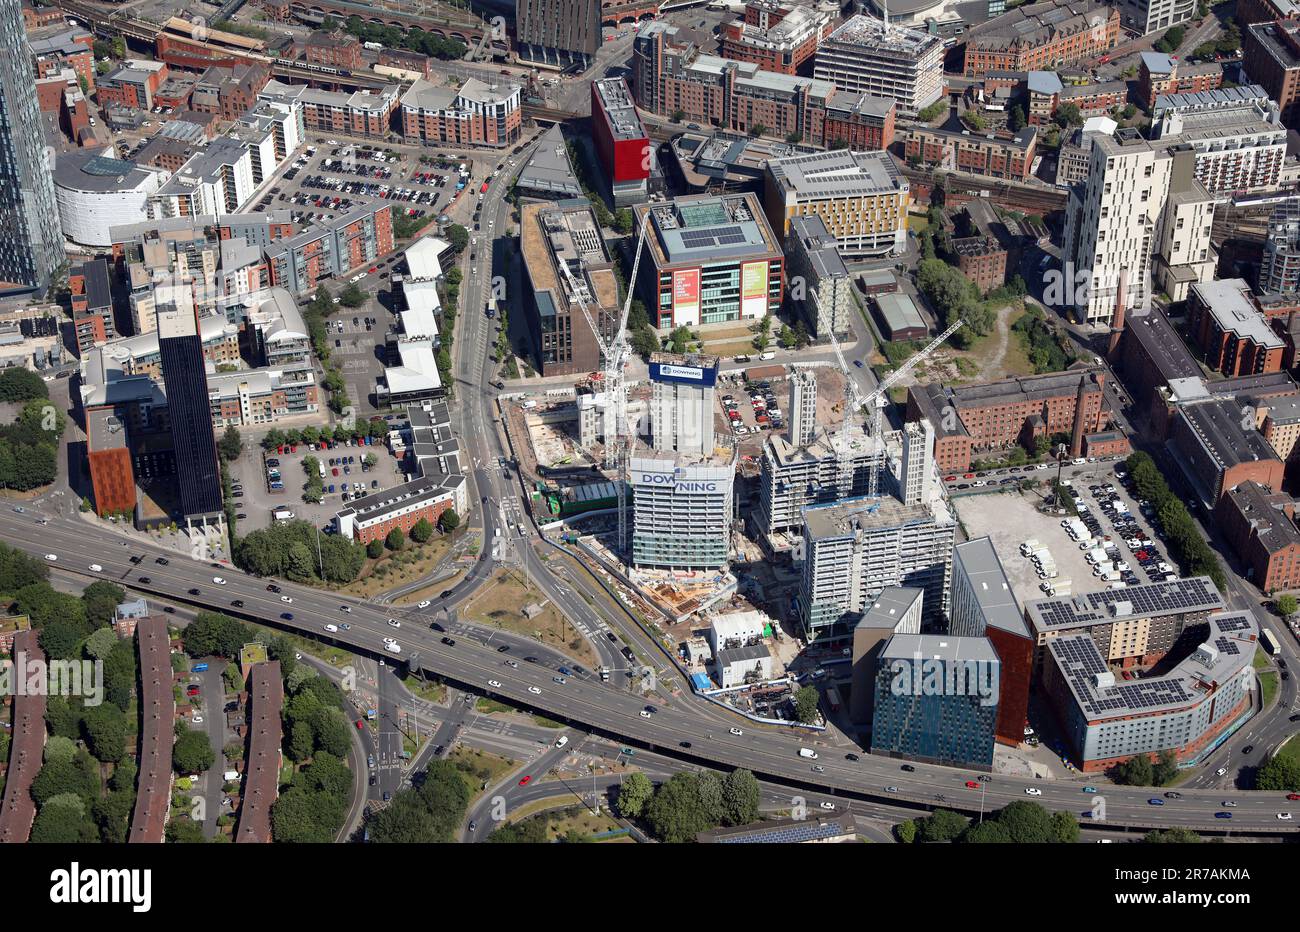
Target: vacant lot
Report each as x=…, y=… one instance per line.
x=501, y=604
x=396, y=568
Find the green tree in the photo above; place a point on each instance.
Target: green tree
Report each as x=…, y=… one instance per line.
x=105, y=731
x=1016, y=119
x=421, y=531
x=740, y=797
x=352, y=296
x=192, y=752
x=448, y=521
x=1026, y=822
x=633, y=794
x=942, y=825
x=18, y=383
x=99, y=602
x=1065, y=828
x=1280, y=773
x=1171, y=836
x=1136, y=771
x=805, y=704
x=1286, y=605
x=987, y=833
x=906, y=831
x=395, y=539
x=375, y=549
x=62, y=820
x=230, y=447
x=1068, y=115
x=677, y=813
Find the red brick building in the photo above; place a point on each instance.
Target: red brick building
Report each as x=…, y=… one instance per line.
x=26, y=745
x=981, y=260
x=1260, y=525
x=1158, y=74
x=337, y=50
x=92, y=304
x=775, y=36
x=1042, y=36
x=477, y=113
x=228, y=92
x=996, y=155
x=1235, y=337
x=134, y=84
x=860, y=121
x=1271, y=56
x=158, y=716
x=1218, y=452
x=375, y=516
x=262, y=773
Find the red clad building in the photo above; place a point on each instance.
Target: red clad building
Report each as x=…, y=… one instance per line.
x=622, y=143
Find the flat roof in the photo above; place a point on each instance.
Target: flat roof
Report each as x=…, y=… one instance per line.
x=891, y=607
x=822, y=249
x=549, y=169
x=709, y=228
x=838, y=173
x=1217, y=425
x=842, y=519
x=997, y=600
x=619, y=110
x=1148, y=600
x=1228, y=649
x=100, y=174
x=1227, y=302
x=1262, y=509
x=1162, y=345
x=939, y=647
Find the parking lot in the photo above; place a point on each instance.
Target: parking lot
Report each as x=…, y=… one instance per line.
x=257, y=499
x=754, y=407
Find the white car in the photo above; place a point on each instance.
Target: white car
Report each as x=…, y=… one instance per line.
x=52, y=557
x=394, y=623
x=1033, y=791
x=425, y=603
x=393, y=647
x=737, y=732
x=534, y=690
x=1221, y=772
x=830, y=807
x=286, y=599
x=346, y=608
x=390, y=640
x=645, y=714
x=197, y=719
x=513, y=663
x=96, y=568
x=332, y=628
x=494, y=684
x=1284, y=816
x=218, y=580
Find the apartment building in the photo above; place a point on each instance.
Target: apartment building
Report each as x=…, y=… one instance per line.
x=132, y=84
x=1236, y=133
x=1217, y=452
x=622, y=143
x=682, y=411
x=861, y=198
x=681, y=512
x=336, y=50
x=92, y=304
x=228, y=92
x=366, y=113
x=1279, y=267
x=1042, y=37
x=1279, y=423
x=262, y=769
x=859, y=121
x=671, y=77
x=375, y=516
x=803, y=469
x=331, y=248
x=1260, y=525
x=1158, y=75
x=1232, y=333
x=1147, y=16
x=553, y=238
x=558, y=32
x=863, y=56
x=777, y=36
x=821, y=290
x=476, y=113
x=709, y=260
x=1123, y=226
x=856, y=548
x=995, y=155
x=1271, y=56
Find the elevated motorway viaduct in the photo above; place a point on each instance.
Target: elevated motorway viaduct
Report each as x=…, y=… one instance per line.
x=677, y=729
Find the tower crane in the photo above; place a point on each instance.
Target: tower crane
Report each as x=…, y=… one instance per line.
x=854, y=401
x=615, y=351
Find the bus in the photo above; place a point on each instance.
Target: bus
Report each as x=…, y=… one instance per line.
x=1270, y=642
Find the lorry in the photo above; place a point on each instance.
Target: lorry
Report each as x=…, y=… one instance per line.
x=1096, y=556
x=767, y=355
x=373, y=46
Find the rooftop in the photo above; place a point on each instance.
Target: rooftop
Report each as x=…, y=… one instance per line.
x=1162, y=345
x=821, y=248
x=87, y=170
x=844, y=518
x=1227, y=302
x=619, y=110
x=996, y=599
x=1263, y=509
x=708, y=228
x=839, y=173
x=891, y=607
x=868, y=32
x=1228, y=649
x=1036, y=23
x=1217, y=425
x=549, y=169
x=939, y=647
x=1148, y=600
x=900, y=312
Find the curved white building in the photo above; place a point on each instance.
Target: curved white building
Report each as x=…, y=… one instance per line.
x=94, y=192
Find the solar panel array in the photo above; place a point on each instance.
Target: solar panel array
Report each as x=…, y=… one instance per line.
x=1196, y=593
x=708, y=239
x=1226, y=645
x=1080, y=660
x=787, y=834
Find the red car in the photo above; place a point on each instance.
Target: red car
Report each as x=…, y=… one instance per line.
x=526, y=780
x=969, y=475
x=1293, y=795
x=374, y=269
x=360, y=724
x=972, y=784
x=192, y=691
x=949, y=478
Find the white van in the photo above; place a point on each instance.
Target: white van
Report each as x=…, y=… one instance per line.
x=1029, y=546
x=808, y=753
x=561, y=741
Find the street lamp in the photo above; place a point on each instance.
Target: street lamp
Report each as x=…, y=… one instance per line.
x=1060, y=464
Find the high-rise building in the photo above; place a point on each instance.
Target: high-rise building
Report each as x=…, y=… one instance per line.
x=681, y=402
x=1141, y=219
x=1279, y=267
x=180, y=346
x=31, y=243
x=815, y=267
x=558, y=32
x=1147, y=16
x=895, y=611
x=682, y=509
x=854, y=549
x=803, y=407
x=952, y=724
x=621, y=141
x=1236, y=133
x=1271, y=56
x=916, y=476
x=863, y=56
x=792, y=477
x=981, y=603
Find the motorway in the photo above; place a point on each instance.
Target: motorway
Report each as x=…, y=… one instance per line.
x=771, y=754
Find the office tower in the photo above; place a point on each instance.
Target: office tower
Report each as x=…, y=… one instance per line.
x=558, y=32
x=1279, y=267
x=855, y=549
x=951, y=725
x=180, y=348
x=916, y=472
x=622, y=142
x=681, y=402
x=803, y=407
x=31, y=243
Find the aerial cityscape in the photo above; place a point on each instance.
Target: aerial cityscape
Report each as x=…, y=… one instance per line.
x=723, y=421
